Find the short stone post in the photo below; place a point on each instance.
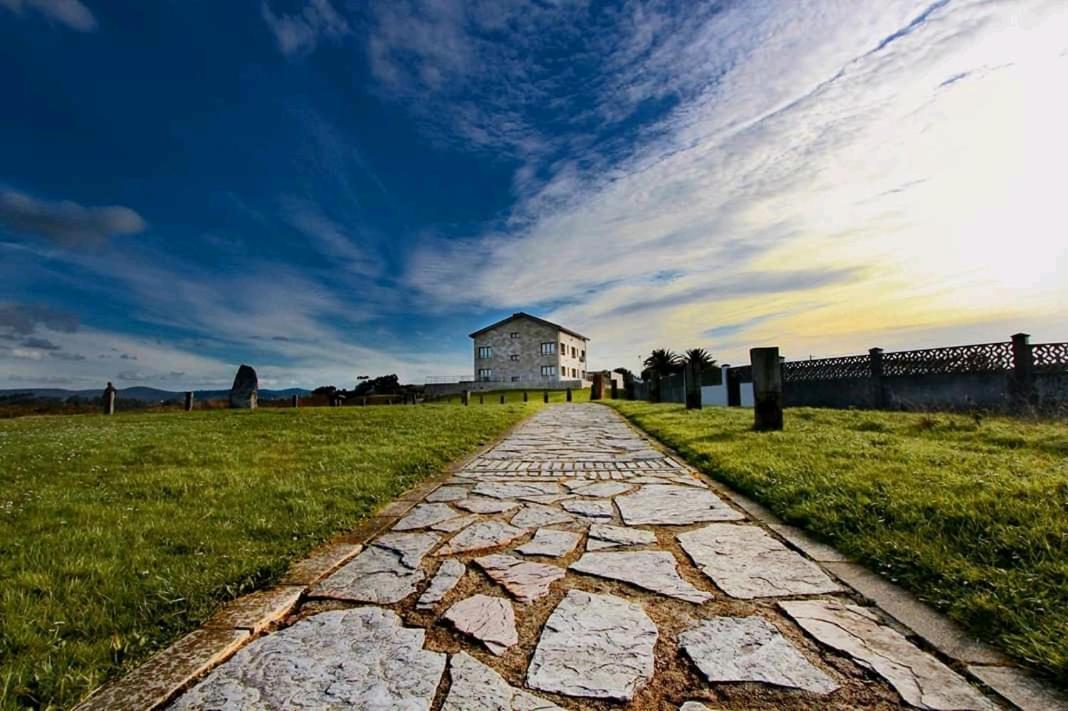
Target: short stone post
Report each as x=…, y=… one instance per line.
x=465, y=397
x=524, y=396
x=615, y=389
x=567, y=396
x=296, y=401
x=502, y=398
x=481, y=399
x=545, y=395
x=109, y=399
x=189, y=401
x=767, y=389
x=875, y=356
x=1022, y=382
x=244, y=393
x=693, y=386
x=597, y=389
x=734, y=387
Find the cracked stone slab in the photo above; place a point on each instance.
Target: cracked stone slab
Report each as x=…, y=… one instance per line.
x=476, y=687
x=535, y=515
x=668, y=504
x=751, y=649
x=480, y=535
x=590, y=509
x=455, y=524
x=525, y=580
x=486, y=505
x=604, y=489
x=550, y=542
x=594, y=646
x=360, y=658
x=652, y=570
x=385, y=572
x=500, y=490
x=490, y=620
x=449, y=573
x=603, y=535
x=548, y=498
x=425, y=516
x=745, y=562
x=448, y=492
x=922, y=680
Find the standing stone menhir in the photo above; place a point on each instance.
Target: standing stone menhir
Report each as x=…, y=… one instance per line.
x=244, y=393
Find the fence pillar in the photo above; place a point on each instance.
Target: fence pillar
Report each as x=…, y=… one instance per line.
x=767, y=389
x=568, y=395
x=296, y=401
x=465, y=397
x=878, y=400
x=545, y=395
x=693, y=386
x=109, y=399
x=1022, y=382
x=189, y=401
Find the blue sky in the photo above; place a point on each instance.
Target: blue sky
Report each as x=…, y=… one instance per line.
x=326, y=189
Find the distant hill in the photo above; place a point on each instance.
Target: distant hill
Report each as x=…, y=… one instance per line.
x=144, y=394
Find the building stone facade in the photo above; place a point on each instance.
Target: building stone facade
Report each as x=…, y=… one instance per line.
x=526, y=349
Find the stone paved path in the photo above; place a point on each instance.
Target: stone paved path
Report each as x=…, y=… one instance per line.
x=574, y=565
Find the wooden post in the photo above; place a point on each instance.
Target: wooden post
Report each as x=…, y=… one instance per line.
x=189, y=401
x=767, y=389
x=545, y=395
x=693, y=386
x=568, y=395
x=1022, y=383
x=876, y=361
x=465, y=397
x=296, y=401
x=109, y=399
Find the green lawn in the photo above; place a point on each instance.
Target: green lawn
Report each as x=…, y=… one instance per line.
x=494, y=397
x=119, y=534
x=971, y=516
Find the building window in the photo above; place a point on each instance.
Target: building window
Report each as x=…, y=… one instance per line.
x=485, y=352
x=563, y=349
x=514, y=334
x=548, y=349
x=515, y=378
x=485, y=374
x=582, y=356
x=514, y=356
x=548, y=370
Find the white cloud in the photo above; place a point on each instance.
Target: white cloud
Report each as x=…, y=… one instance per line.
x=898, y=142
x=71, y=13
x=300, y=33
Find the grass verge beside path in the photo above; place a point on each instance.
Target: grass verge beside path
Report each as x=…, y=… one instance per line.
x=973, y=517
x=119, y=534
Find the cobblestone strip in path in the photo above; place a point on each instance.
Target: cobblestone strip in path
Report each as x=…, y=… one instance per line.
x=574, y=565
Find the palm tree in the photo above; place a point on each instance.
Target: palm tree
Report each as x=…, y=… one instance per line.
x=660, y=363
x=699, y=359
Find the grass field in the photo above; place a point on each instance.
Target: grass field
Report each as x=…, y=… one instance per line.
x=971, y=516
x=119, y=534
x=511, y=396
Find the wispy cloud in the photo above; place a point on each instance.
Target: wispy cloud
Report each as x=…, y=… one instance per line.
x=71, y=13
x=300, y=32
x=66, y=223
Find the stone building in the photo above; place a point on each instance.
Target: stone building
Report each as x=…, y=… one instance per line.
x=527, y=349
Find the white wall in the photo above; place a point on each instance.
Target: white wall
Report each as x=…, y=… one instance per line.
x=716, y=395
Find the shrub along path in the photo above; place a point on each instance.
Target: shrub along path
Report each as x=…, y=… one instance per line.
x=574, y=565
x=118, y=534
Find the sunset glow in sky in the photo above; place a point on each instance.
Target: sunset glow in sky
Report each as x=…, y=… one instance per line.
x=326, y=189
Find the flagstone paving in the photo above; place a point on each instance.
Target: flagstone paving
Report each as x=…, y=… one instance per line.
x=696, y=605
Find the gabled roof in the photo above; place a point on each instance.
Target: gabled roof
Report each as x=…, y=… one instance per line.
x=522, y=314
